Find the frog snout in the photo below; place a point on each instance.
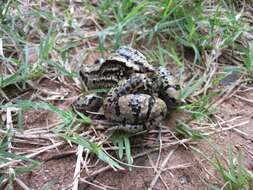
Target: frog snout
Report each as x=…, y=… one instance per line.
x=173, y=93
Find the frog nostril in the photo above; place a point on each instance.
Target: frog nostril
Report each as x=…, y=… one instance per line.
x=97, y=61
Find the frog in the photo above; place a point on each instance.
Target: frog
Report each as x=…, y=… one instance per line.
x=139, y=96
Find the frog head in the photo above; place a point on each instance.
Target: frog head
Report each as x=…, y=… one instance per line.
x=169, y=89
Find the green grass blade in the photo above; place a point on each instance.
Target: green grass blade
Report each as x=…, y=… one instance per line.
x=168, y=4
x=86, y=120
x=67, y=115
x=191, y=87
x=120, y=149
x=128, y=151
x=248, y=62
x=47, y=44
x=94, y=148
x=134, y=11
x=183, y=129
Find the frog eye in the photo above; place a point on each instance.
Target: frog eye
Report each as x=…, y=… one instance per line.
x=177, y=87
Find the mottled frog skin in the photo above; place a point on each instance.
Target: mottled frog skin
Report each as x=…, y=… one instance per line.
x=140, y=95
x=120, y=65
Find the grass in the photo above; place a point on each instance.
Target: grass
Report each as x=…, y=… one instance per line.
x=203, y=41
x=231, y=168
x=8, y=175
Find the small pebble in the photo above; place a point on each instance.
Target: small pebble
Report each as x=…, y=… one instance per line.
x=183, y=179
x=230, y=79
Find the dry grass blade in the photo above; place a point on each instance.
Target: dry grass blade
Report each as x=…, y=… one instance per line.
x=244, y=99
x=94, y=185
x=22, y=184
x=32, y=155
x=220, y=130
x=79, y=162
x=158, y=173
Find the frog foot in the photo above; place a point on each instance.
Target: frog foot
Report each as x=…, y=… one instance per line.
x=128, y=128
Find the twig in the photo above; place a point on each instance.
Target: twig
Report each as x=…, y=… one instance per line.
x=33, y=154
x=106, y=186
x=22, y=184
x=244, y=99
x=31, y=136
x=227, y=128
x=180, y=166
x=9, y=127
x=160, y=151
x=152, y=184
x=235, y=129
x=79, y=161
x=95, y=185
x=31, y=142
x=217, y=124
x=4, y=95
x=156, y=170
x=45, y=128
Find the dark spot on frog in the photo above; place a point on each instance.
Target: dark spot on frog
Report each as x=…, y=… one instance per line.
x=135, y=104
x=117, y=108
x=138, y=63
x=83, y=77
x=124, y=55
x=121, y=92
x=151, y=102
x=124, y=121
x=128, y=88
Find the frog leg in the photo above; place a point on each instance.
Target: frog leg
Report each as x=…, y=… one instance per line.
x=132, y=128
x=129, y=128
x=153, y=123
x=139, y=83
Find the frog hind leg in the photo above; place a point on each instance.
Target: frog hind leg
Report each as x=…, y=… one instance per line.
x=153, y=123
x=129, y=128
